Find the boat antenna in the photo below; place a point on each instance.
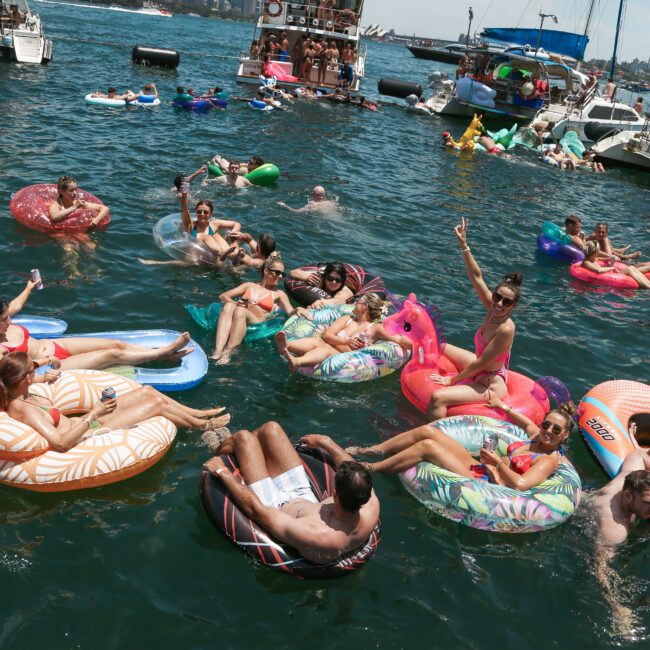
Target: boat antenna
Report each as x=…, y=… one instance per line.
x=541, y=25
x=469, y=27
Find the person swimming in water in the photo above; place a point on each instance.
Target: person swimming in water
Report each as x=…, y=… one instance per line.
x=318, y=202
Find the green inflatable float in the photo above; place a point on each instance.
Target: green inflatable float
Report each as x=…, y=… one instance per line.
x=265, y=175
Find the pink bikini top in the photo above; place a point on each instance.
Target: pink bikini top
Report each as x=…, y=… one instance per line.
x=480, y=344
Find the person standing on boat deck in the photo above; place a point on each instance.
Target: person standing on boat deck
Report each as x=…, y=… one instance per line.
x=254, y=52
x=296, y=56
x=323, y=62
x=308, y=55
x=638, y=106
x=317, y=202
x=610, y=90
x=283, y=46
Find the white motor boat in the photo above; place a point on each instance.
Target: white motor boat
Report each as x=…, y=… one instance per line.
x=626, y=148
x=592, y=119
x=22, y=38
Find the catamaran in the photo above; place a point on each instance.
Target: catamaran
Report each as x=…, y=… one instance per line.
x=335, y=22
x=21, y=35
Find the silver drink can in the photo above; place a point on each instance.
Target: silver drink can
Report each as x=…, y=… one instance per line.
x=36, y=277
x=108, y=393
x=490, y=442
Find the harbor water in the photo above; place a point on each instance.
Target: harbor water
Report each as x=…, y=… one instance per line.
x=138, y=563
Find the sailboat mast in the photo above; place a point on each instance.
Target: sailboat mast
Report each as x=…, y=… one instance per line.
x=618, y=29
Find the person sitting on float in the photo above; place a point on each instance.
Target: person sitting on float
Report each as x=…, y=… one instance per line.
x=488, y=143
x=244, y=168
x=526, y=464
x=232, y=176
x=78, y=352
x=561, y=157
x=573, y=228
x=111, y=93
x=593, y=254
x=601, y=237
x=258, y=250
x=181, y=96
x=148, y=90
x=205, y=228
x=589, y=161
x=483, y=373
x=250, y=303
x=345, y=334
x=67, y=202
x=63, y=433
x=332, y=281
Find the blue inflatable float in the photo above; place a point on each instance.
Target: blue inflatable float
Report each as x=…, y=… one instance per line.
x=555, y=242
x=41, y=327
x=188, y=374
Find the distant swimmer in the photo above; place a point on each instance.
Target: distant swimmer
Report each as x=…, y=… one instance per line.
x=148, y=90
x=318, y=202
x=111, y=93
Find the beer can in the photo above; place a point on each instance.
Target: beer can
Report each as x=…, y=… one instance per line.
x=108, y=393
x=36, y=277
x=490, y=442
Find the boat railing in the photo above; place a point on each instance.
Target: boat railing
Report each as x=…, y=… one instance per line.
x=309, y=16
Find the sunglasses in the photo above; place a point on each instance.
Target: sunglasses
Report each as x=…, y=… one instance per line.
x=333, y=278
x=278, y=274
x=555, y=429
x=497, y=298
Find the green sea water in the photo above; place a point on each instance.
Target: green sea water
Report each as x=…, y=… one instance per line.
x=137, y=564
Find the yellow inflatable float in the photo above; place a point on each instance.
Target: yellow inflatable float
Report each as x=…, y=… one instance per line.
x=104, y=456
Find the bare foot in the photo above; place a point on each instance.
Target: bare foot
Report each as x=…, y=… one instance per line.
x=215, y=423
x=175, y=346
x=177, y=356
x=281, y=343
x=224, y=358
x=216, y=355
x=210, y=413
x=230, y=251
x=214, y=438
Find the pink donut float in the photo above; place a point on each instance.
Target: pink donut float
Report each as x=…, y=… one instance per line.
x=609, y=279
x=31, y=207
x=414, y=322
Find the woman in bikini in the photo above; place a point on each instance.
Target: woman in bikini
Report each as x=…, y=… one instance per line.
x=526, y=464
x=74, y=353
x=62, y=433
x=249, y=303
x=67, y=202
x=484, y=373
x=345, y=334
x=637, y=272
x=205, y=228
x=601, y=237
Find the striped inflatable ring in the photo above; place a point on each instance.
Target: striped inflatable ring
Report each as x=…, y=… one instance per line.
x=604, y=413
x=231, y=522
x=105, y=456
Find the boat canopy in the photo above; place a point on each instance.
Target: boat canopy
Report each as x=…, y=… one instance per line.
x=565, y=43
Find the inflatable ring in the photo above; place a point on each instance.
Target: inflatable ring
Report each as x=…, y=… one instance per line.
x=104, y=457
x=609, y=279
x=41, y=327
x=605, y=412
x=557, y=243
x=368, y=363
x=228, y=519
x=178, y=244
x=207, y=318
x=31, y=207
x=487, y=506
x=142, y=100
x=358, y=280
x=415, y=322
x=191, y=371
x=263, y=176
x=277, y=8
x=195, y=106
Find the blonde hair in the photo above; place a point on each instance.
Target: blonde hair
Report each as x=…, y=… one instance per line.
x=375, y=305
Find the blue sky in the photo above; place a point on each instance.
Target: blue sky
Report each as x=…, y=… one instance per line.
x=445, y=19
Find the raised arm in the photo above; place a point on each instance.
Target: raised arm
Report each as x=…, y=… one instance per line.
x=317, y=441
x=311, y=277
x=19, y=301
x=471, y=266
x=518, y=418
x=186, y=217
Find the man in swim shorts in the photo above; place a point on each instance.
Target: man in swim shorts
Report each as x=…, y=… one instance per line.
x=625, y=499
x=276, y=493
x=318, y=202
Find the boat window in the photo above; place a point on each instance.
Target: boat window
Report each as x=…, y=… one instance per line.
x=617, y=114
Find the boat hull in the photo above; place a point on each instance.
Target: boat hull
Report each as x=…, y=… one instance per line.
x=434, y=54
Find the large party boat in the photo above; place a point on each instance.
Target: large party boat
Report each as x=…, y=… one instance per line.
x=336, y=24
x=21, y=35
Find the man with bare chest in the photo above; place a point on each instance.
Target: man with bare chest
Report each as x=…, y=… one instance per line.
x=276, y=494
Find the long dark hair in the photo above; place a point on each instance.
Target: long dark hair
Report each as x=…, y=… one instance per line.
x=339, y=269
x=13, y=367
x=266, y=244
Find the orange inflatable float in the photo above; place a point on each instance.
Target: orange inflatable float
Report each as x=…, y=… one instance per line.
x=104, y=456
x=605, y=413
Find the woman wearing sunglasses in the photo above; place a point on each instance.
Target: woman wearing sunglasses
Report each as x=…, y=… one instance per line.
x=204, y=228
x=330, y=284
x=346, y=334
x=483, y=374
x=527, y=463
x=250, y=303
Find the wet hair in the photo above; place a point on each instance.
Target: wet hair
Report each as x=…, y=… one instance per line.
x=180, y=90
x=334, y=267
x=590, y=248
x=375, y=305
x=13, y=367
x=275, y=256
x=218, y=89
x=148, y=87
x=256, y=161
x=642, y=421
x=353, y=485
x=572, y=219
x=567, y=410
x=112, y=89
x=205, y=202
x=602, y=224
x=178, y=181
x=63, y=182
x=637, y=481
x=512, y=281
x=266, y=244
